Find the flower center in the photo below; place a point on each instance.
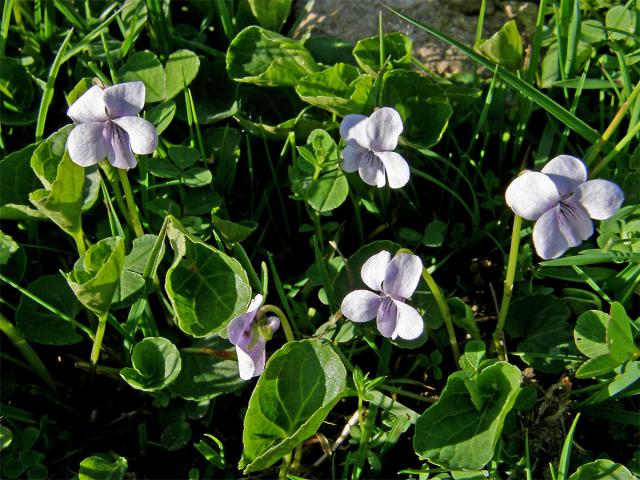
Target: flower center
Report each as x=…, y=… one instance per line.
x=370, y=158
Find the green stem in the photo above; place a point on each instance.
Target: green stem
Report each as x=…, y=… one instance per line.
x=616, y=150
x=97, y=341
x=27, y=352
x=286, y=326
x=508, y=284
x=78, y=237
x=131, y=203
x=444, y=311
x=612, y=126
x=284, y=467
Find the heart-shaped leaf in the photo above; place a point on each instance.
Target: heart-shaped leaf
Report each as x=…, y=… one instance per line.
x=267, y=58
x=271, y=14
x=397, y=48
x=96, y=275
x=156, y=363
x=182, y=67
x=103, y=467
x=453, y=433
x=17, y=181
x=300, y=384
x=206, y=287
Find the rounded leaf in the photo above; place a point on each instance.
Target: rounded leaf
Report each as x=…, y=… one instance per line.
x=156, y=363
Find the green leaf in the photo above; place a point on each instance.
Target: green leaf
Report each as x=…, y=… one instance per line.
x=397, y=47
x=621, y=18
x=146, y=67
x=156, y=363
x=452, y=433
x=206, y=287
x=619, y=339
x=96, y=275
x=134, y=18
x=8, y=246
x=597, y=367
x=300, y=385
x=161, y=116
x=266, y=58
x=551, y=106
x=590, y=333
x=16, y=93
x=131, y=284
x=175, y=435
x=474, y=353
x=209, y=369
x=233, y=232
x=17, y=181
x=504, y=47
x=197, y=177
x=182, y=67
x=6, y=437
x=316, y=176
x=271, y=14
x=339, y=89
x=602, y=469
x=628, y=376
x=103, y=467
x=423, y=105
x=63, y=203
x=542, y=321
x=434, y=233
x=39, y=324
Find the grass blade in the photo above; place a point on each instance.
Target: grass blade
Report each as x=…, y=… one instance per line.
x=565, y=457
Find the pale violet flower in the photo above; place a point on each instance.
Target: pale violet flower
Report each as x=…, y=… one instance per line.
x=395, y=279
x=107, y=126
x=370, y=144
x=562, y=202
x=250, y=337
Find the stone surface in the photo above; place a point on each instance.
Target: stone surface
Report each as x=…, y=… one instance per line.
x=355, y=19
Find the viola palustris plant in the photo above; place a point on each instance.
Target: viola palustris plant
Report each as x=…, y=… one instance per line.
x=232, y=247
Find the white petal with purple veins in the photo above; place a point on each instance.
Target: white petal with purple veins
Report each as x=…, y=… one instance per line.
x=142, y=134
x=410, y=324
x=118, y=148
x=402, y=275
x=601, y=198
x=124, y=99
x=353, y=130
x=383, y=129
x=574, y=221
x=239, y=330
x=396, y=168
x=90, y=107
x=360, y=306
x=374, y=270
x=352, y=156
x=532, y=194
x=547, y=237
x=566, y=172
x=371, y=170
x=86, y=144
x=387, y=317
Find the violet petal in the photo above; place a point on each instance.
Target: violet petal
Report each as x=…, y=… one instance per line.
x=89, y=107
x=396, y=168
x=124, y=99
x=383, y=129
x=548, y=240
x=410, y=324
x=387, y=317
x=601, y=198
x=86, y=143
x=402, y=275
x=142, y=134
x=566, y=172
x=532, y=194
x=360, y=306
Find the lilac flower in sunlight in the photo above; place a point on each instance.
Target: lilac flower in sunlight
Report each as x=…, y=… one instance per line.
x=370, y=144
x=250, y=337
x=396, y=279
x=562, y=202
x=107, y=125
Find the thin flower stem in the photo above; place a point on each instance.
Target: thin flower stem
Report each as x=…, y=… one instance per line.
x=612, y=126
x=284, y=467
x=131, y=203
x=10, y=330
x=286, y=326
x=444, y=311
x=508, y=284
x=616, y=150
x=97, y=341
x=117, y=194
